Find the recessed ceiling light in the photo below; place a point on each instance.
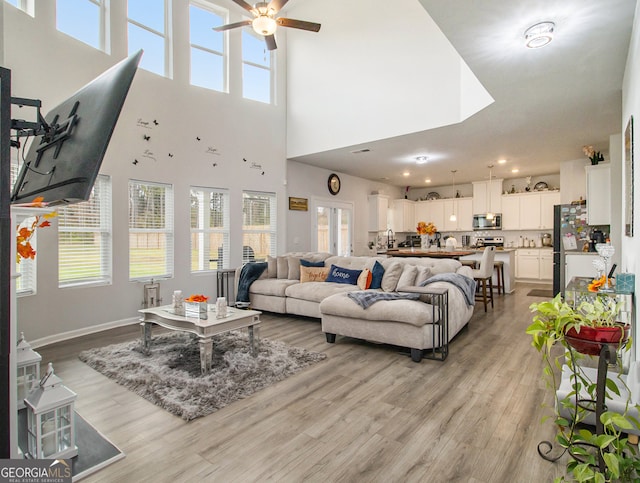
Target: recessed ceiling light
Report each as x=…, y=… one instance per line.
x=427, y=180
x=539, y=35
x=406, y=173
x=502, y=161
x=515, y=170
x=422, y=159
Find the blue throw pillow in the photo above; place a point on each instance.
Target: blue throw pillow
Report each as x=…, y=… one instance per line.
x=307, y=263
x=343, y=275
x=376, y=275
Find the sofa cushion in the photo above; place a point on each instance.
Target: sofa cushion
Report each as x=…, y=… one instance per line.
x=376, y=275
x=272, y=267
x=423, y=274
x=313, y=274
x=294, y=267
x=317, y=291
x=343, y=275
x=311, y=263
x=271, y=286
x=391, y=277
x=408, y=276
x=282, y=267
x=411, y=312
x=364, y=280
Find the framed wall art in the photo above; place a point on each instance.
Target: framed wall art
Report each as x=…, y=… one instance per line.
x=298, y=204
x=628, y=178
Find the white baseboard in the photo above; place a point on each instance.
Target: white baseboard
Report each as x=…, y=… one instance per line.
x=72, y=334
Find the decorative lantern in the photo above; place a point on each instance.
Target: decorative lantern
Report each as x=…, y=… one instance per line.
x=51, y=431
x=28, y=362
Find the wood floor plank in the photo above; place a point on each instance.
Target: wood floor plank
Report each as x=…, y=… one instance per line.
x=366, y=413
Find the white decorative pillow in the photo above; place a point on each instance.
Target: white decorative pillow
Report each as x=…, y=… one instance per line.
x=294, y=268
x=282, y=264
x=391, y=277
x=408, y=277
x=423, y=274
x=272, y=267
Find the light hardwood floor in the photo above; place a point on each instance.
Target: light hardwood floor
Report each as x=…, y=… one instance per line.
x=366, y=413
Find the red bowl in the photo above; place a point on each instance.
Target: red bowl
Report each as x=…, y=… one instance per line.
x=590, y=339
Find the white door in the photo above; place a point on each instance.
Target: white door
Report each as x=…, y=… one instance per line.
x=333, y=228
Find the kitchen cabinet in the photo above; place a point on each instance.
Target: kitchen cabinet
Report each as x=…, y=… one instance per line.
x=598, y=194
x=546, y=265
x=430, y=211
x=463, y=209
x=378, y=207
x=528, y=263
x=403, y=218
x=529, y=211
x=487, y=196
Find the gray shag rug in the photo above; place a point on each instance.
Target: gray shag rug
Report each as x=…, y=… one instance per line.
x=170, y=377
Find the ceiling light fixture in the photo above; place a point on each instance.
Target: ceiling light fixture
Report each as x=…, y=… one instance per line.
x=264, y=25
x=502, y=161
x=489, y=212
x=453, y=195
x=427, y=180
x=406, y=173
x=515, y=170
x=539, y=35
x=422, y=159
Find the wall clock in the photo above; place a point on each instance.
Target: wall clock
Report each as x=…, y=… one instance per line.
x=334, y=184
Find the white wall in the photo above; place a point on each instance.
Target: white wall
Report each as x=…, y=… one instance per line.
x=388, y=73
x=49, y=65
x=630, y=260
x=305, y=181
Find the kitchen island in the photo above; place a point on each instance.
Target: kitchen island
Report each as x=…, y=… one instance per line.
x=505, y=255
x=418, y=252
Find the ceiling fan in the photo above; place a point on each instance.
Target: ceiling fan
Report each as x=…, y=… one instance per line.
x=265, y=22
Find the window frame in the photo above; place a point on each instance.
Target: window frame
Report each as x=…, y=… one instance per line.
x=217, y=10
x=272, y=231
x=103, y=26
x=203, y=231
x=169, y=232
x=27, y=6
x=105, y=232
x=270, y=69
x=166, y=36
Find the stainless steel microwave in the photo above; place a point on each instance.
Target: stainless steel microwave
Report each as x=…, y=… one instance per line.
x=481, y=222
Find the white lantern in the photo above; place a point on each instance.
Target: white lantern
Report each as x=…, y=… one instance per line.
x=51, y=431
x=28, y=363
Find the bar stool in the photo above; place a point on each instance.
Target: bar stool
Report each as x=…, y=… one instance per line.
x=499, y=267
x=483, y=276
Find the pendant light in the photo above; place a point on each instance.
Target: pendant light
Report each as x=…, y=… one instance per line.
x=453, y=195
x=489, y=212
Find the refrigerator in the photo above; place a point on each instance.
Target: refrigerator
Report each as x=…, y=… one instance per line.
x=570, y=234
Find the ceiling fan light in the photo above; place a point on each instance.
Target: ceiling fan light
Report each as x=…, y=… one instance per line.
x=264, y=25
x=539, y=35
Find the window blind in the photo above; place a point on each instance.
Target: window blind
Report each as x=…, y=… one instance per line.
x=84, y=238
x=209, y=229
x=259, y=227
x=150, y=230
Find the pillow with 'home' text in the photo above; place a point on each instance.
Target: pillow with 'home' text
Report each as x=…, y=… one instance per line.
x=343, y=275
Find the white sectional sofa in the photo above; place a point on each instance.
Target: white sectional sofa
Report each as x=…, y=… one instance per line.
x=406, y=323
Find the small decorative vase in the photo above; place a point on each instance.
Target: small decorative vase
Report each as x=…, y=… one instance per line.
x=424, y=242
x=195, y=309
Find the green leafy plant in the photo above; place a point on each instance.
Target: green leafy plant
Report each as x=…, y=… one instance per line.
x=601, y=456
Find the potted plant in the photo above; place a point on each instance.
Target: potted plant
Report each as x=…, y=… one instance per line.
x=604, y=454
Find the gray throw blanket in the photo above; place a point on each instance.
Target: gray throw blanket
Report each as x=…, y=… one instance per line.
x=366, y=299
x=249, y=274
x=466, y=285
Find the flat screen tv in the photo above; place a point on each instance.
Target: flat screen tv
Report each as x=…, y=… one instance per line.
x=61, y=167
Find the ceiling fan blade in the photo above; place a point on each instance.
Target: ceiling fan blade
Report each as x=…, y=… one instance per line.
x=222, y=28
x=298, y=24
x=245, y=5
x=276, y=5
x=271, y=42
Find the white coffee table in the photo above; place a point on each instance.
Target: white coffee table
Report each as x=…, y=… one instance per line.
x=173, y=319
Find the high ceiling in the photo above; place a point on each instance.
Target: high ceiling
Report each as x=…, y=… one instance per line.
x=549, y=102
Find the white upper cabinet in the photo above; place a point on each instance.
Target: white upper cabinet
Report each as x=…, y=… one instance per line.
x=463, y=209
x=529, y=211
x=403, y=216
x=487, y=197
x=378, y=207
x=599, y=194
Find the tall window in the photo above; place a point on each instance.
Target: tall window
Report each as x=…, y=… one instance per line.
x=256, y=67
x=150, y=230
x=148, y=29
x=84, y=238
x=208, y=49
x=209, y=229
x=259, y=227
x=85, y=20
x=24, y=5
